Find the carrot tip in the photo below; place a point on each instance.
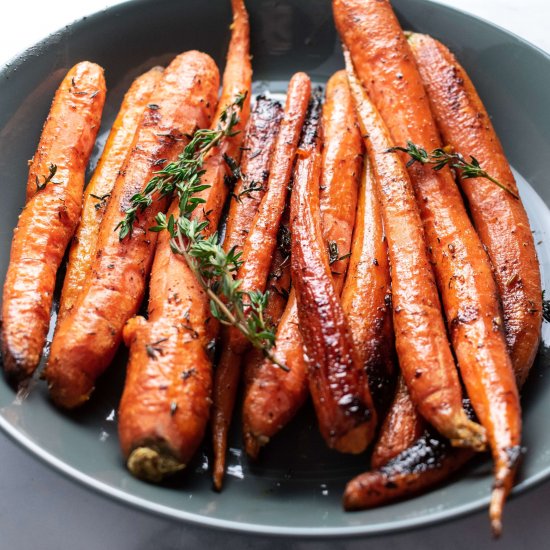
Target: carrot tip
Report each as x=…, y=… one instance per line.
x=498, y=497
x=152, y=464
x=470, y=434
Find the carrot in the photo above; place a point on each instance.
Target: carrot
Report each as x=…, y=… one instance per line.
x=421, y=341
x=400, y=429
x=272, y=396
x=366, y=297
x=426, y=463
x=48, y=221
x=341, y=169
x=337, y=381
x=256, y=260
x=249, y=189
x=100, y=186
x=499, y=218
x=86, y=339
x=167, y=396
x=462, y=267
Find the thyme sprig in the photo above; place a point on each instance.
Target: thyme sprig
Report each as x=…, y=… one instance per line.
x=184, y=174
x=215, y=270
x=445, y=156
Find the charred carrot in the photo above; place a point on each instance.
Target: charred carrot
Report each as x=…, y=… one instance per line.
x=100, y=186
x=337, y=381
x=421, y=341
x=167, y=396
x=256, y=260
x=428, y=462
x=251, y=186
x=48, y=221
x=273, y=396
x=462, y=267
x=86, y=339
x=500, y=218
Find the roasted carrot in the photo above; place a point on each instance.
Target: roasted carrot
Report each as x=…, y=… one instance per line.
x=273, y=396
x=250, y=187
x=99, y=188
x=400, y=429
x=86, y=339
x=341, y=169
x=421, y=341
x=256, y=260
x=167, y=397
x=48, y=221
x=428, y=462
x=337, y=381
x=465, y=280
x=366, y=297
x=499, y=218
x=237, y=79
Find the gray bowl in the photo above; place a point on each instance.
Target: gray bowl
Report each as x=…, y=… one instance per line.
x=296, y=487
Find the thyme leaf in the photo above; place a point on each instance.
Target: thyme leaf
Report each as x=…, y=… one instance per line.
x=445, y=156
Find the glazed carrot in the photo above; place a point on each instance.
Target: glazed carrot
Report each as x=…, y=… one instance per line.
x=426, y=463
x=462, y=268
x=86, y=339
x=166, y=401
x=237, y=79
x=249, y=189
x=500, y=219
x=341, y=169
x=337, y=381
x=256, y=260
x=273, y=396
x=48, y=221
x=423, y=350
x=100, y=186
x=400, y=429
x=366, y=297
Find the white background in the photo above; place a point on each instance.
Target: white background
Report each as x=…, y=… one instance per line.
x=41, y=510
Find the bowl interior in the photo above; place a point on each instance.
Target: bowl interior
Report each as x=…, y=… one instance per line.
x=296, y=486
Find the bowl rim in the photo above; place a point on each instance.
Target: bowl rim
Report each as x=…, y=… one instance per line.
x=142, y=504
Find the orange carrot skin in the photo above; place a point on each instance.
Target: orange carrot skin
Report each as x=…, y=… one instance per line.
x=462, y=268
x=341, y=170
x=499, y=218
x=50, y=216
x=421, y=340
x=179, y=310
x=400, y=429
x=99, y=188
x=258, y=146
x=257, y=255
x=337, y=381
x=366, y=297
x=237, y=79
x=87, y=338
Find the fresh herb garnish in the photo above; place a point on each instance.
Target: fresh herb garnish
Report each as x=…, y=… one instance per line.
x=52, y=170
x=445, y=156
x=213, y=267
x=184, y=174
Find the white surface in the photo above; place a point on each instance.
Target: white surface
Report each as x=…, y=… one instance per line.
x=40, y=509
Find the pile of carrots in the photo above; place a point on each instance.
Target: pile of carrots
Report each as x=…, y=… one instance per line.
x=406, y=299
